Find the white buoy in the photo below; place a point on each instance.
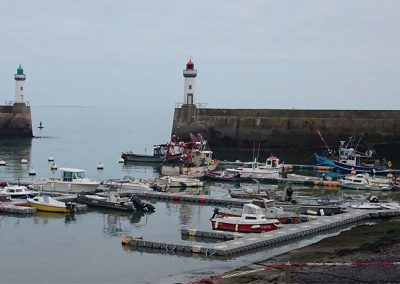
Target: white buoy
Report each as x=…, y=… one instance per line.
x=54, y=166
x=50, y=158
x=24, y=161
x=121, y=161
x=32, y=172
x=2, y=163
x=100, y=166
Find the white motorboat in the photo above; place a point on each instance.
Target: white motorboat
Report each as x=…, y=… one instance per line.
x=71, y=181
x=17, y=191
x=365, y=182
x=126, y=185
x=256, y=170
x=178, y=181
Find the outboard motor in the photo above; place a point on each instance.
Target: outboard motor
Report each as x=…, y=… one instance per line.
x=373, y=199
x=71, y=206
x=216, y=210
x=289, y=193
x=148, y=207
x=139, y=205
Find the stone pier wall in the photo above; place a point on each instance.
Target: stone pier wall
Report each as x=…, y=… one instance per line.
x=285, y=128
x=15, y=121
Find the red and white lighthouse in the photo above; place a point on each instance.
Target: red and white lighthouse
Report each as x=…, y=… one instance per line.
x=190, y=83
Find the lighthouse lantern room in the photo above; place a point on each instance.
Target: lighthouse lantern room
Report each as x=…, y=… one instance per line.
x=190, y=83
x=19, y=85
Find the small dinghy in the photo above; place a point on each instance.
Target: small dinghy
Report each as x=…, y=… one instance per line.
x=112, y=200
x=49, y=204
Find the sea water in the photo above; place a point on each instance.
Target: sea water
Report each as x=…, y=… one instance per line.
x=86, y=247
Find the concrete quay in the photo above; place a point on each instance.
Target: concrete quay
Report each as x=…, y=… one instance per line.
x=246, y=243
x=12, y=208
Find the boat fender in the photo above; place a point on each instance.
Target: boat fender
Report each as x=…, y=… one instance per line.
x=321, y=212
x=312, y=212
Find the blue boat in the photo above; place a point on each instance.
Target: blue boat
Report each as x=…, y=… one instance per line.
x=348, y=160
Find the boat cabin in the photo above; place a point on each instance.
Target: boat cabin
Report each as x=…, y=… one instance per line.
x=160, y=150
x=13, y=190
x=252, y=212
x=272, y=162
x=201, y=158
x=357, y=179
x=69, y=174
x=359, y=160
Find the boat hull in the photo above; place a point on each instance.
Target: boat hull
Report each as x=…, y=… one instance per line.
x=168, y=170
x=106, y=204
x=48, y=207
x=245, y=228
x=295, y=219
x=66, y=187
x=128, y=157
x=344, y=168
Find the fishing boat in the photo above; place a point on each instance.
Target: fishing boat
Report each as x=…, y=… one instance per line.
x=158, y=155
x=49, y=204
x=178, y=181
x=251, y=220
x=348, y=159
x=18, y=191
x=196, y=159
x=112, y=200
x=71, y=181
x=365, y=182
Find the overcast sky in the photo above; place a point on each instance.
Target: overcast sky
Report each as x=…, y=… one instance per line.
x=249, y=54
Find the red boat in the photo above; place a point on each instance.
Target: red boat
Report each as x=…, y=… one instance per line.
x=270, y=211
x=252, y=220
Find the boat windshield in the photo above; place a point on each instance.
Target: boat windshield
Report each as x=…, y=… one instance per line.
x=69, y=176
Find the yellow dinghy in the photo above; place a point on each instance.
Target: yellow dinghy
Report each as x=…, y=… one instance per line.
x=48, y=204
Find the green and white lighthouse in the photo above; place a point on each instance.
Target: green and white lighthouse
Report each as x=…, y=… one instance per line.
x=19, y=85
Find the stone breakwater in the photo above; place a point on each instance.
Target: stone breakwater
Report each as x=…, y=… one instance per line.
x=285, y=128
x=15, y=121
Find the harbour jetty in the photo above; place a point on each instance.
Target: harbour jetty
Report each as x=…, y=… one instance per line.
x=15, y=116
x=278, y=128
x=233, y=245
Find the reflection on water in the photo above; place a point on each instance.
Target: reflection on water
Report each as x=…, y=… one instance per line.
x=117, y=224
x=41, y=217
x=12, y=151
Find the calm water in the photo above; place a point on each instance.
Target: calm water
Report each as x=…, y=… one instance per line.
x=87, y=247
